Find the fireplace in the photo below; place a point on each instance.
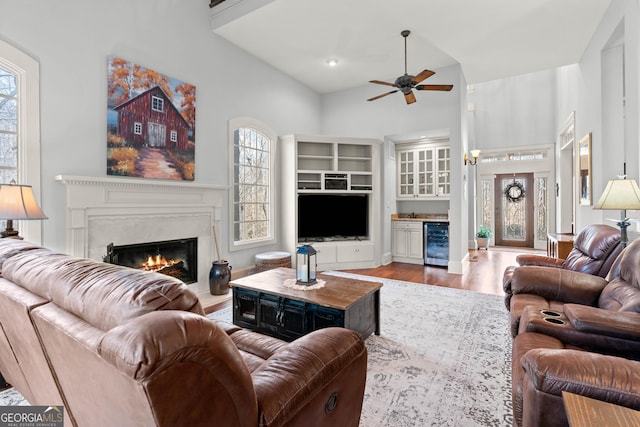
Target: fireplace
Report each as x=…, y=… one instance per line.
x=176, y=258
x=126, y=211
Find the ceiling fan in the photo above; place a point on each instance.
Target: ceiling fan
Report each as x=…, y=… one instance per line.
x=407, y=82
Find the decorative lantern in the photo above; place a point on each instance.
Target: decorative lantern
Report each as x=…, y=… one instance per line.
x=306, y=265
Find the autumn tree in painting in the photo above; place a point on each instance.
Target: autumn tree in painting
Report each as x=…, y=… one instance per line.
x=120, y=81
x=126, y=80
x=188, y=104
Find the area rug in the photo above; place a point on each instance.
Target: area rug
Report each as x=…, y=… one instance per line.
x=443, y=358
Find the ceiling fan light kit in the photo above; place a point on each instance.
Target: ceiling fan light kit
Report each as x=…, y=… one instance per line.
x=406, y=83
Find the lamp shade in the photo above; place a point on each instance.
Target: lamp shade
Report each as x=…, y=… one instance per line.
x=620, y=194
x=18, y=202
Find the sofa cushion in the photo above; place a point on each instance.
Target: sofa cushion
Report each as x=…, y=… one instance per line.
x=10, y=247
x=619, y=296
x=594, y=250
x=105, y=295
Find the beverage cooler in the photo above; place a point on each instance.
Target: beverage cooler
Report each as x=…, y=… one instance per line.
x=436, y=243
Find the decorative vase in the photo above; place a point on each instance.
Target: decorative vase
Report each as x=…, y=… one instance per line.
x=219, y=277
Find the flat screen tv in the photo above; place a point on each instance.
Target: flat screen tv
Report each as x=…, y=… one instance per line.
x=336, y=216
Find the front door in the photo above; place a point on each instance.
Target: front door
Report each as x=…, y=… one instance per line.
x=514, y=209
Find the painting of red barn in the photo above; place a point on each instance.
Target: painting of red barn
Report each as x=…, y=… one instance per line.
x=151, y=123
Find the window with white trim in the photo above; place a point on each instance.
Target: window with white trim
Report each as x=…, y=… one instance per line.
x=8, y=126
x=157, y=104
x=252, y=176
x=20, y=127
x=173, y=136
x=137, y=128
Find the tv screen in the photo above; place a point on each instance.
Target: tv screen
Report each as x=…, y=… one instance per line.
x=332, y=216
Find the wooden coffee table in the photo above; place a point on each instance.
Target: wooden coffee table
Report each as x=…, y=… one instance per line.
x=263, y=303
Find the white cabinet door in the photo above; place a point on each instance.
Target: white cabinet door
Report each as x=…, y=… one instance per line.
x=400, y=237
x=407, y=242
x=425, y=179
x=356, y=252
x=325, y=253
x=443, y=157
x=406, y=174
x=414, y=244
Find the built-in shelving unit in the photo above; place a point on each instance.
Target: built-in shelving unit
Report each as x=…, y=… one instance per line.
x=331, y=165
x=334, y=166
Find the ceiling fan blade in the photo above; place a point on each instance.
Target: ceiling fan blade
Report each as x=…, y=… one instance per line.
x=379, y=82
x=380, y=96
x=423, y=75
x=434, y=87
x=410, y=98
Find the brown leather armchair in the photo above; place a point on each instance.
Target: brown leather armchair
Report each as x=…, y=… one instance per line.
x=595, y=248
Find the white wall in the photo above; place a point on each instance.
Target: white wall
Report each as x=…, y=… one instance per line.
x=515, y=111
x=71, y=39
x=596, y=77
x=347, y=113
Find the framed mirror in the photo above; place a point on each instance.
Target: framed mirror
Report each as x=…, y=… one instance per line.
x=583, y=169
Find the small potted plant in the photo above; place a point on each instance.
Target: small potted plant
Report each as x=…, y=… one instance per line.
x=483, y=236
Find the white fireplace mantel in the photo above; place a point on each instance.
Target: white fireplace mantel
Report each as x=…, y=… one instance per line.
x=126, y=211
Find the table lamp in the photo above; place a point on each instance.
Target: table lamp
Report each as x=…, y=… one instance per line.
x=17, y=202
x=620, y=194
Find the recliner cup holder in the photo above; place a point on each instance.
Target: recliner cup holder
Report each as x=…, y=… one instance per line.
x=550, y=313
x=554, y=320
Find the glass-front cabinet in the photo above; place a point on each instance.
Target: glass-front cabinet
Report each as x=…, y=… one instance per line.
x=424, y=172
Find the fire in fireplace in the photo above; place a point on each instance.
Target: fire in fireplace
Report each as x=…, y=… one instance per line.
x=176, y=258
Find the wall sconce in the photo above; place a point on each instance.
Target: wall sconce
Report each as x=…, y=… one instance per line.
x=474, y=158
x=17, y=202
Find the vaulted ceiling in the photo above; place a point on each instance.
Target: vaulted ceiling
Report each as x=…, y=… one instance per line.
x=490, y=39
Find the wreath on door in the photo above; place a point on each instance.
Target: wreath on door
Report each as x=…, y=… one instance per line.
x=514, y=192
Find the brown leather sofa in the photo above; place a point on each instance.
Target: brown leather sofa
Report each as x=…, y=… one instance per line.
x=578, y=333
x=595, y=248
x=118, y=346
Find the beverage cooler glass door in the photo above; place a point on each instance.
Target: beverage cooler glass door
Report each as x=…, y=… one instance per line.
x=436, y=243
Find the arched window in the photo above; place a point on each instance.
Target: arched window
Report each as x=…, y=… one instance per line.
x=252, y=176
x=20, y=126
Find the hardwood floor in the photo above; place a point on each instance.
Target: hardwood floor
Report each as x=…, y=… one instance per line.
x=483, y=275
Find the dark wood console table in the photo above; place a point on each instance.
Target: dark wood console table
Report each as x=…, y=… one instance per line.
x=262, y=303
x=559, y=245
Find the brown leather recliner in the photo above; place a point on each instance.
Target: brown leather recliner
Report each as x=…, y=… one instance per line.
x=595, y=248
x=124, y=347
x=553, y=288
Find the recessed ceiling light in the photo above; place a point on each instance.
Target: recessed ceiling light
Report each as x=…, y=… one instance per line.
x=332, y=62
